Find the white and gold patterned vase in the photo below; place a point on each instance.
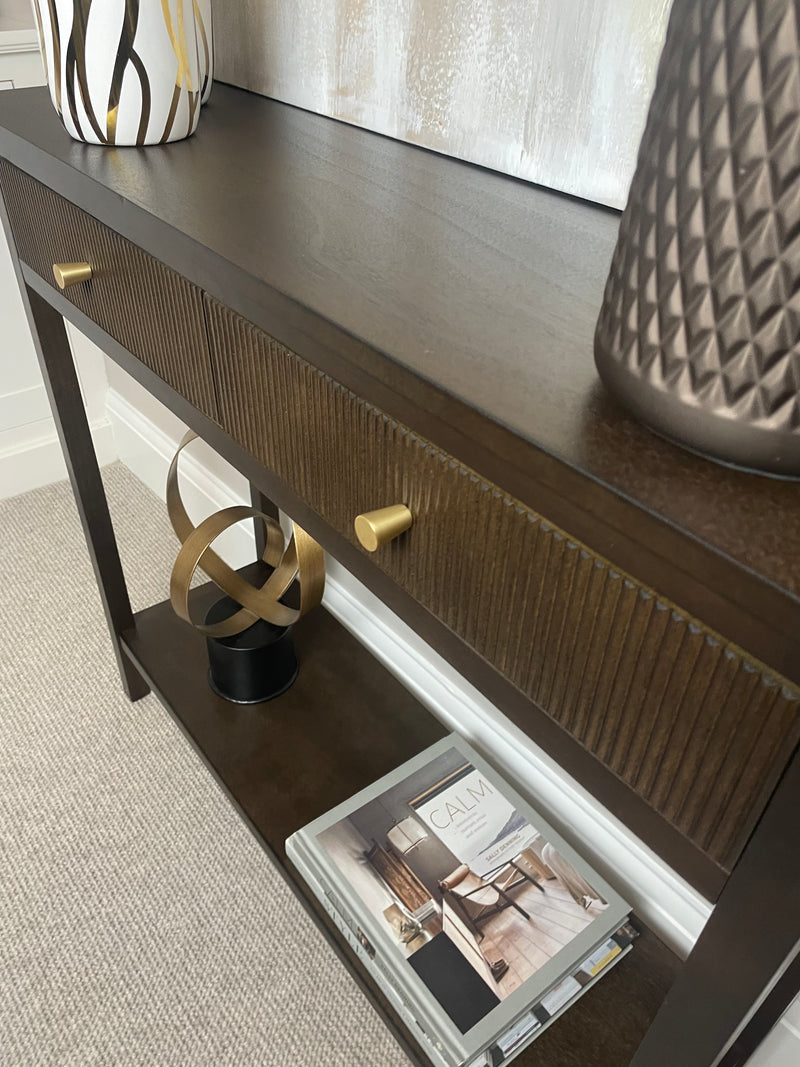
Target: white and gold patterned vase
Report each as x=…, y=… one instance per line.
x=127, y=72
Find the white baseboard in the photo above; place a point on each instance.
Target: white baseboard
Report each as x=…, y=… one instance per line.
x=673, y=909
x=13, y=41
x=31, y=456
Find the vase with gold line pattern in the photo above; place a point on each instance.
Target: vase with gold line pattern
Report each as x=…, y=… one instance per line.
x=127, y=72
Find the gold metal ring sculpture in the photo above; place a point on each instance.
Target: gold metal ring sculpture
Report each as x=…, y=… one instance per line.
x=302, y=559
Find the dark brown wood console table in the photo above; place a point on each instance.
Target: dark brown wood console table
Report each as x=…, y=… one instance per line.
x=353, y=322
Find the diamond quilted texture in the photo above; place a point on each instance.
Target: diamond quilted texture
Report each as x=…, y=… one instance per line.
x=703, y=295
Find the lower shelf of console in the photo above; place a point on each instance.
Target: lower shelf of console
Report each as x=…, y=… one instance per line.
x=344, y=723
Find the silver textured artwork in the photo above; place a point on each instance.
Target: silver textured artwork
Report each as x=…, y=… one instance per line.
x=553, y=91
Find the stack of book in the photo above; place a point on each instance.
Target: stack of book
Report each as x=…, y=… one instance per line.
x=474, y=916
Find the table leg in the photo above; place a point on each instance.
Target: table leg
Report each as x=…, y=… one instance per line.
x=262, y=503
x=744, y=968
x=63, y=389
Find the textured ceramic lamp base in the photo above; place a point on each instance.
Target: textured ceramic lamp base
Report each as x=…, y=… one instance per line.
x=127, y=72
x=733, y=443
x=699, y=334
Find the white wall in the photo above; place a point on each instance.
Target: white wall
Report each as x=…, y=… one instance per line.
x=30, y=454
x=16, y=15
x=20, y=59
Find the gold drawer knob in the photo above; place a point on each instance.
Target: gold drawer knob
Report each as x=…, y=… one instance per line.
x=376, y=528
x=71, y=273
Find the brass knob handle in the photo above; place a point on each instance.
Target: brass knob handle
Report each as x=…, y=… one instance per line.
x=71, y=273
x=376, y=528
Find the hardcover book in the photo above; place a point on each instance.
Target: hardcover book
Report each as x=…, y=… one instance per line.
x=477, y=919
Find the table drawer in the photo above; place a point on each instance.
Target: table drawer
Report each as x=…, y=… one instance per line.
x=152, y=311
x=685, y=719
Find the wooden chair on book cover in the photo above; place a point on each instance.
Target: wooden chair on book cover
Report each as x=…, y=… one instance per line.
x=532, y=863
x=474, y=898
x=514, y=873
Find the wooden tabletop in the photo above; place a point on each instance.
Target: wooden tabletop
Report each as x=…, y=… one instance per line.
x=461, y=301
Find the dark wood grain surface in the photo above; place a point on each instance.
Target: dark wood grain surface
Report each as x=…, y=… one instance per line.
x=610, y=790
x=695, y=729
x=460, y=301
x=345, y=722
x=169, y=336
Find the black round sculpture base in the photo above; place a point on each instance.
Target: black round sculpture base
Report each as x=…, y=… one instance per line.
x=253, y=666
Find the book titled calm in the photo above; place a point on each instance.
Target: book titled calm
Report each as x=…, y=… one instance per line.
x=475, y=917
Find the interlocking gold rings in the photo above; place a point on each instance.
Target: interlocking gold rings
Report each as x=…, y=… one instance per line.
x=301, y=559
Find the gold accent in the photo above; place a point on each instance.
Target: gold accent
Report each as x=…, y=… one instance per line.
x=130, y=22
x=144, y=82
x=302, y=559
x=111, y=123
x=178, y=42
x=56, y=39
x=183, y=75
x=74, y=86
x=377, y=528
x=67, y=274
x=56, y=35
x=198, y=17
x=76, y=68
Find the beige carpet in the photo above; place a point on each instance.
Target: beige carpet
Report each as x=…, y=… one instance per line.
x=140, y=923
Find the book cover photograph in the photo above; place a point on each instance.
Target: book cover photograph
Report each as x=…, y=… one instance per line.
x=449, y=874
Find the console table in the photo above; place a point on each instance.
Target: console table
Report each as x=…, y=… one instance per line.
x=353, y=322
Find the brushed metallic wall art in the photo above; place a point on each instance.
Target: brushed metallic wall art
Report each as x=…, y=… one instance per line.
x=553, y=91
x=127, y=72
x=699, y=332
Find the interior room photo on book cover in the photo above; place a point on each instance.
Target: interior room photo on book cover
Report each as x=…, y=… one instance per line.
x=445, y=861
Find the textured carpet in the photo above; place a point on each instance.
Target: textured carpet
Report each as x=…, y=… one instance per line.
x=140, y=923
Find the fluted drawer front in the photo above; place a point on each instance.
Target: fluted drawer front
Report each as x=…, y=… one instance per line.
x=152, y=311
x=698, y=731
